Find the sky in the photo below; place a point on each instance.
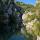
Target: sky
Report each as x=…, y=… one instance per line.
x=28, y=1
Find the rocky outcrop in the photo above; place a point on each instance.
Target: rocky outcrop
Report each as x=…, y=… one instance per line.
x=9, y=17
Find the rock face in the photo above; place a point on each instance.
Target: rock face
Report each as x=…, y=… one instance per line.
x=8, y=10
x=38, y=37
x=8, y=19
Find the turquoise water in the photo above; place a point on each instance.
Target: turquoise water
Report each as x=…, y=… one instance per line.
x=17, y=37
